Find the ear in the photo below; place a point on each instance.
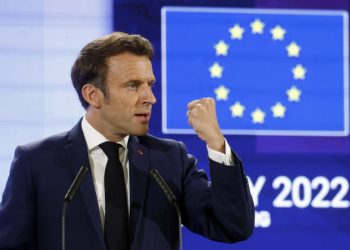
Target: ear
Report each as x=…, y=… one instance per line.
x=92, y=95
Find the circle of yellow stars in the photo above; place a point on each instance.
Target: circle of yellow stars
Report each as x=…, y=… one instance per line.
x=293, y=49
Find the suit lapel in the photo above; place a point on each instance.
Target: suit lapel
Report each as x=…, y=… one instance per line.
x=77, y=154
x=138, y=155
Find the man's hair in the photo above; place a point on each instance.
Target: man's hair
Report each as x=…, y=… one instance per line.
x=91, y=65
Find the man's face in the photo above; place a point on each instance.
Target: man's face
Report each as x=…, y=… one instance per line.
x=126, y=110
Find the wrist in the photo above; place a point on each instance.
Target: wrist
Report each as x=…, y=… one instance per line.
x=217, y=144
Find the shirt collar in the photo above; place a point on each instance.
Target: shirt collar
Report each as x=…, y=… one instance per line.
x=94, y=138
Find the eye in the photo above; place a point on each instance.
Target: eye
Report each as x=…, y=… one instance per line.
x=152, y=84
x=133, y=85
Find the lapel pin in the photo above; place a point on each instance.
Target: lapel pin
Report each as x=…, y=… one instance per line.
x=139, y=152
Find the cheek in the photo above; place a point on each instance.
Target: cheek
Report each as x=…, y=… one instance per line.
x=123, y=107
x=121, y=101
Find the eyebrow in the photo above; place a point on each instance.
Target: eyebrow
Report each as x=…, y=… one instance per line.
x=139, y=81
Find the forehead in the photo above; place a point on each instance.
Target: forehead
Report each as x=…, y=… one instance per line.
x=126, y=68
x=130, y=64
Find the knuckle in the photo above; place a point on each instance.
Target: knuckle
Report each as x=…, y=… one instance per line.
x=210, y=101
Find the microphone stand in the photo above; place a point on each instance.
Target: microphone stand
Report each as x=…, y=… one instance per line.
x=179, y=222
x=67, y=198
x=171, y=197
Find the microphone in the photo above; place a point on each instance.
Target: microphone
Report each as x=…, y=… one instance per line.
x=170, y=196
x=68, y=197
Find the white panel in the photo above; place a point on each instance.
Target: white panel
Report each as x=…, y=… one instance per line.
x=21, y=69
x=39, y=43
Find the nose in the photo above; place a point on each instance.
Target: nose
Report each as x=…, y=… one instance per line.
x=148, y=96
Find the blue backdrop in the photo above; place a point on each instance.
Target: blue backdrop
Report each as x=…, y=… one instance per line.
x=300, y=184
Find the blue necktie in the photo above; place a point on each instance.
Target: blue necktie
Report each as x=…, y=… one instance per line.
x=116, y=213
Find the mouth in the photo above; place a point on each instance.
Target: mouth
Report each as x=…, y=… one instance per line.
x=143, y=117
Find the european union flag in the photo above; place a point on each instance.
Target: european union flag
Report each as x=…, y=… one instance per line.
x=272, y=72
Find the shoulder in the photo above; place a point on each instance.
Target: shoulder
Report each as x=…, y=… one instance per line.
x=157, y=143
x=57, y=141
x=46, y=144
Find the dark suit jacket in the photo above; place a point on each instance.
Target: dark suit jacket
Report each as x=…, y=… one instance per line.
x=41, y=173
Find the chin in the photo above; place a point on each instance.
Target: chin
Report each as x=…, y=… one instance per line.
x=140, y=132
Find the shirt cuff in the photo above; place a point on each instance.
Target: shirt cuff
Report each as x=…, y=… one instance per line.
x=221, y=158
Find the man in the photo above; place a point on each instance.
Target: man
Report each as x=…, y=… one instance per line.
x=113, y=77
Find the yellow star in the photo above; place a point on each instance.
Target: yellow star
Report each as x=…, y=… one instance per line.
x=221, y=93
x=293, y=49
x=299, y=72
x=278, y=33
x=258, y=116
x=237, y=109
x=257, y=26
x=216, y=71
x=221, y=48
x=293, y=94
x=236, y=32
x=278, y=110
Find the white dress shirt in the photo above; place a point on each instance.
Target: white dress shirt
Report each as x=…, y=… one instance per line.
x=98, y=161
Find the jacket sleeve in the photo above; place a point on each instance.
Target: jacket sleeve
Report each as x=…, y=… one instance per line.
x=222, y=209
x=17, y=208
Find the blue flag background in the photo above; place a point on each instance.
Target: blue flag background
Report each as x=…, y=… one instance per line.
x=283, y=73
x=300, y=184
